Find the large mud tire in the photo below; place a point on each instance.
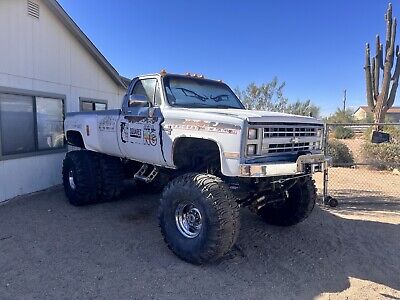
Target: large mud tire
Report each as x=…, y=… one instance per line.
x=80, y=177
x=110, y=177
x=210, y=198
x=299, y=203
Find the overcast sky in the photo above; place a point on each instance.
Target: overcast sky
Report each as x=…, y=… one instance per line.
x=317, y=47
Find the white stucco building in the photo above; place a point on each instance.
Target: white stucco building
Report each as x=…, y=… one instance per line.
x=47, y=67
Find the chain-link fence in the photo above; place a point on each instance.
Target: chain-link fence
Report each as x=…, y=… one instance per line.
x=365, y=165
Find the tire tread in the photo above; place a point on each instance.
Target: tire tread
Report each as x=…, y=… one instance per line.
x=225, y=224
x=297, y=210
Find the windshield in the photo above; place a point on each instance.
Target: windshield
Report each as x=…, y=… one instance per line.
x=195, y=92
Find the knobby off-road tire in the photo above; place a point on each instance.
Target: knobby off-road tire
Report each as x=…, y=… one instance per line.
x=299, y=203
x=80, y=177
x=205, y=195
x=110, y=177
x=95, y=177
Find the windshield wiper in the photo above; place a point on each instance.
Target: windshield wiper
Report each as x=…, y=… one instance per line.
x=224, y=106
x=204, y=105
x=193, y=105
x=190, y=93
x=219, y=98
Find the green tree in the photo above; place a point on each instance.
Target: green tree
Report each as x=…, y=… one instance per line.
x=270, y=96
x=341, y=116
x=305, y=108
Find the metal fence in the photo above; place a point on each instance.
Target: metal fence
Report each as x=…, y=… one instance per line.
x=362, y=171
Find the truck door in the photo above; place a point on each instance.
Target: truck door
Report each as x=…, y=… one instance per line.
x=139, y=126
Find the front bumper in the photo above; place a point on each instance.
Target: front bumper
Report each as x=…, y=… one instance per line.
x=309, y=163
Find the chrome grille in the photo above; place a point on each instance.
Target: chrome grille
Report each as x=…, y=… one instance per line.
x=288, y=147
x=289, y=131
x=290, y=138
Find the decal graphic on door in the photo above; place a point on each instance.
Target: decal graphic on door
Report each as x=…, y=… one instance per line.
x=149, y=135
x=107, y=123
x=139, y=130
x=135, y=133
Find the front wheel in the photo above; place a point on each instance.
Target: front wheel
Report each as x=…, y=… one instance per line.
x=198, y=217
x=298, y=203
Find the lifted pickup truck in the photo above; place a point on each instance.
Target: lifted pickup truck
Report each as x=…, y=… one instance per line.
x=193, y=138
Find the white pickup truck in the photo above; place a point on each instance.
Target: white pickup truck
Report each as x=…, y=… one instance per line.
x=193, y=138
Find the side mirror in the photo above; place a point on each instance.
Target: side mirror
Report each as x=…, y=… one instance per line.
x=138, y=101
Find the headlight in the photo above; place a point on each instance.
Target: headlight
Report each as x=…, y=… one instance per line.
x=251, y=150
x=319, y=132
x=252, y=134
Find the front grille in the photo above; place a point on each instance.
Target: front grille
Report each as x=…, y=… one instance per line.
x=288, y=147
x=290, y=138
x=289, y=131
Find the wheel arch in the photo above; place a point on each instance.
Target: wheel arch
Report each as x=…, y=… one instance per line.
x=75, y=138
x=185, y=143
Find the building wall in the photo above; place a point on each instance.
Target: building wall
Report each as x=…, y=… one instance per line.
x=395, y=117
x=42, y=55
x=360, y=114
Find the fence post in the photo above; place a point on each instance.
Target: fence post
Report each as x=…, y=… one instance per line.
x=325, y=177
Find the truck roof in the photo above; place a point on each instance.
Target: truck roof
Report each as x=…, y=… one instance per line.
x=164, y=73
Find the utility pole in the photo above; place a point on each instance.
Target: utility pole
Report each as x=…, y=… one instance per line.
x=344, y=100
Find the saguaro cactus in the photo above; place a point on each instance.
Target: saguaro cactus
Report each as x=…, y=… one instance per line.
x=381, y=99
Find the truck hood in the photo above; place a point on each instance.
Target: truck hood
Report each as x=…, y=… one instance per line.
x=257, y=116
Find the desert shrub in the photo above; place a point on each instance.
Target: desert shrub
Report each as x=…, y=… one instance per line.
x=383, y=156
x=393, y=130
x=341, y=132
x=341, y=116
x=340, y=153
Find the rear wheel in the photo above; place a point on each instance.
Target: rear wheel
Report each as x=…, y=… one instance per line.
x=199, y=217
x=80, y=178
x=298, y=204
x=110, y=177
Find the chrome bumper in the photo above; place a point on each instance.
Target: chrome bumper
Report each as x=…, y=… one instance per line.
x=309, y=163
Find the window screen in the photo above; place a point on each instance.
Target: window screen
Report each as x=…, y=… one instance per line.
x=29, y=124
x=49, y=123
x=92, y=105
x=100, y=106
x=17, y=124
x=87, y=106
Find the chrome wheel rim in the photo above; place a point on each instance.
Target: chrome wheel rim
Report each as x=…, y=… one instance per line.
x=188, y=220
x=71, y=179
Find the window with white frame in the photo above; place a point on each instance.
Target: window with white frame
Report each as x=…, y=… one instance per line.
x=30, y=124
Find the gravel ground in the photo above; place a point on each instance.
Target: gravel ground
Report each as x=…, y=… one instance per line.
x=51, y=250
x=364, y=194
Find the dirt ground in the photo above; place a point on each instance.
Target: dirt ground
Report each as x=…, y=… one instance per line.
x=355, y=146
x=51, y=250
x=369, y=192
